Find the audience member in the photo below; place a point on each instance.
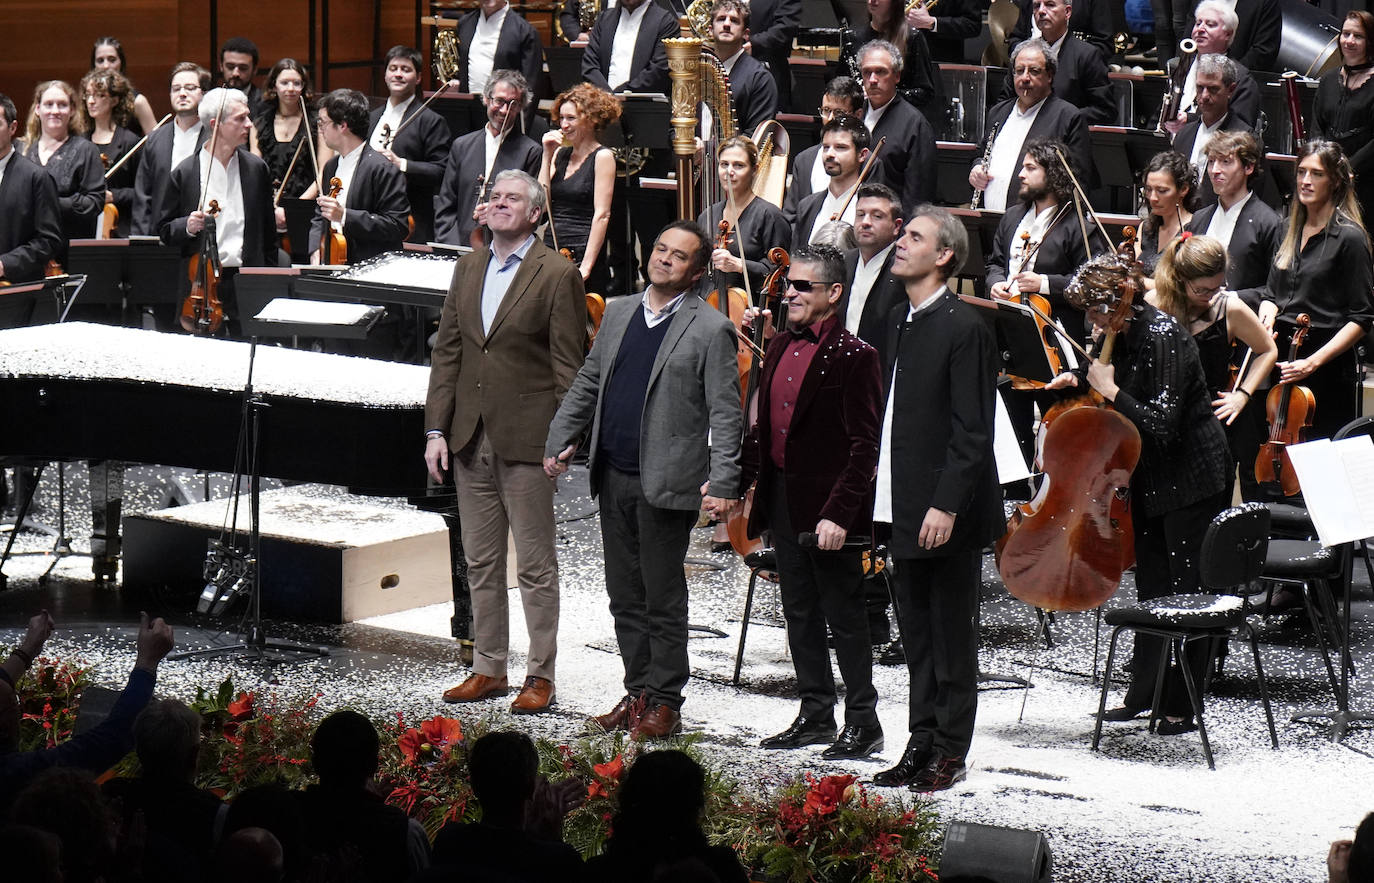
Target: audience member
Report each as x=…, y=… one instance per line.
x=32, y=855
x=67, y=802
x=275, y=809
x=1352, y=861
x=251, y=854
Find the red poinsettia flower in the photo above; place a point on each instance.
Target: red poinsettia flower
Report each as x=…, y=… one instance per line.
x=826, y=795
x=241, y=708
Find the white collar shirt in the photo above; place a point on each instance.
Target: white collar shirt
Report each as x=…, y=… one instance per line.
x=1006, y=147
x=392, y=115
x=829, y=206
x=865, y=277
x=222, y=184
x=882, y=500
x=623, y=45
x=482, y=52
x=653, y=319
x=348, y=167
x=873, y=116
x=1223, y=223
x=1204, y=135
x=184, y=142
x=1032, y=223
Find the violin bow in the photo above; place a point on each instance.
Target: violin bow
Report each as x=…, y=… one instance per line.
x=863, y=175
x=287, y=177
x=405, y=122
x=132, y=150
x=1082, y=200
x=314, y=157
x=214, y=142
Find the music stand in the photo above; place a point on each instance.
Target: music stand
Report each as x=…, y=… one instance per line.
x=1019, y=343
x=565, y=66
x=300, y=216
x=292, y=317
x=1121, y=155
x=644, y=125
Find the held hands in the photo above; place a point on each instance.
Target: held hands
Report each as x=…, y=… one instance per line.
x=556, y=466
x=830, y=536
x=935, y=529
x=979, y=177
x=722, y=260
x=716, y=507
x=436, y=458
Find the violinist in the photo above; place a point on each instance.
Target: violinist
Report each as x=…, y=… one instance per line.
x=280, y=130
x=73, y=163
x=1170, y=197
x=937, y=489
x=169, y=146
x=844, y=148
x=579, y=174
x=32, y=231
x=235, y=179
x=807, y=174
x=1182, y=480
x=106, y=111
x=756, y=225
x=813, y=449
x=1323, y=269
x=414, y=138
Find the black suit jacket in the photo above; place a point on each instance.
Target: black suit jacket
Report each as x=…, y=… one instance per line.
x=773, y=24
x=154, y=171
x=1059, y=255
x=907, y=162
x=955, y=22
x=1245, y=101
x=807, y=210
x=572, y=25
x=1057, y=119
x=649, y=70
x=375, y=208
x=424, y=144
x=1256, y=41
x=800, y=186
x=1092, y=20
x=31, y=234
x=259, y=224
x=518, y=48
x=753, y=93
x=943, y=410
x=887, y=292
x=1254, y=242
x=1187, y=137
x=1081, y=80
x=457, y=195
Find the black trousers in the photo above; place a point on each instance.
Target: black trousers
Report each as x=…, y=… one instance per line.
x=819, y=588
x=1166, y=563
x=937, y=610
x=645, y=547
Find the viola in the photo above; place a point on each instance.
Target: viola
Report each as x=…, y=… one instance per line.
x=333, y=245
x=736, y=301
x=1067, y=548
x=1290, y=409
x=201, y=311
x=109, y=215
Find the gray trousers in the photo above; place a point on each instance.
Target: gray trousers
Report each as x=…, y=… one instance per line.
x=496, y=497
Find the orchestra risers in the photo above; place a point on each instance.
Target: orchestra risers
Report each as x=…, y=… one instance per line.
x=325, y=557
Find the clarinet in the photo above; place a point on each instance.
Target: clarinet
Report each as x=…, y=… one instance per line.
x=977, y=201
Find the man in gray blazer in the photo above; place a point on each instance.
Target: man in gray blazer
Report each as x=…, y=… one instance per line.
x=660, y=391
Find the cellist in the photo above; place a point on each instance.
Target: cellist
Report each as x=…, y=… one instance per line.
x=1183, y=478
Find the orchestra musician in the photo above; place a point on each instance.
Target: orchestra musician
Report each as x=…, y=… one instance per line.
x=907, y=163
x=1258, y=32
x=1245, y=226
x=239, y=182
x=625, y=48
x=1323, y=269
x=1080, y=76
x=1343, y=110
x=1034, y=114
x=660, y=393
x=370, y=209
x=73, y=163
x=1214, y=28
x=773, y=25
x=756, y=225
x=937, y=489
x=108, y=55
x=753, y=92
x=569, y=17
x=494, y=37
x=814, y=449
x=32, y=232
x=1170, y=185
x=417, y=140
x=280, y=130
x=870, y=289
x=957, y=21
x=238, y=64
x=1216, y=83
x=578, y=173
x=919, y=80
x=844, y=149
x=1190, y=285
x=480, y=156
x=1182, y=480
x=842, y=95
x=1089, y=20
x=169, y=146
x=106, y=112
x=510, y=342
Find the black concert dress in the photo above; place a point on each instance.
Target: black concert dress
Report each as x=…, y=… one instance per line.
x=573, y=205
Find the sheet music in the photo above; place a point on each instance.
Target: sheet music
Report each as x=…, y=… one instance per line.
x=1338, y=486
x=1011, y=462
x=314, y=312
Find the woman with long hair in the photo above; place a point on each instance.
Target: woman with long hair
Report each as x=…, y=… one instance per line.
x=888, y=20
x=107, y=109
x=279, y=132
x=107, y=53
x=1170, y=182
x=756, y=225
x=73, y=163
x=1323, y=268
x=579, y=174
x=1343, y=109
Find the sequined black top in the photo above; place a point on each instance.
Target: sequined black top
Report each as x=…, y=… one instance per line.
x=1183, y=452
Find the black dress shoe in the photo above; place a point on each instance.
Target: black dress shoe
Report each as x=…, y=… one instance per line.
x=803, y=731
x=1167, y=727
x=1123, y=713
x=893, y=655
x=855, y=742
x=940, y=775
x=914, y=759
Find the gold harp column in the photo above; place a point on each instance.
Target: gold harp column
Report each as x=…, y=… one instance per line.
x=684, y=63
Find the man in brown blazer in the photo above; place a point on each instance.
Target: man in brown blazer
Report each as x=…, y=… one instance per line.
x=511, y=339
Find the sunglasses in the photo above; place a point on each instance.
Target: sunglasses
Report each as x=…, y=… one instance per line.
x=802, y=285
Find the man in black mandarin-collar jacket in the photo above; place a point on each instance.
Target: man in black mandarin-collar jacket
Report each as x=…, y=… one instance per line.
x=649, y=66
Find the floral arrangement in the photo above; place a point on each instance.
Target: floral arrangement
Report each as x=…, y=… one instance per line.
x=821, y=830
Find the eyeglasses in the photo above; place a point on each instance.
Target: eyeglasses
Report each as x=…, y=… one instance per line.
x=502, y=102
x=802, y=285
x=1199, y=291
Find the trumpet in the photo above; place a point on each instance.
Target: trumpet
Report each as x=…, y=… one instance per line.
x=927, y=5
x=1173, y=99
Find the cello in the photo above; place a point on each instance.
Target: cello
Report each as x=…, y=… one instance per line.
x=1067, y=547
x=1290, y=409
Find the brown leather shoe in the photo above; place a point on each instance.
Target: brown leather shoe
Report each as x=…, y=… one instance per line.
x=625, y=715
x=477, y=688
x=659, y=722
x=535, y=696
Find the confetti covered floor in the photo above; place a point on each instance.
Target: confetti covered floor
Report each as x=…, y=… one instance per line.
x=1144, y=808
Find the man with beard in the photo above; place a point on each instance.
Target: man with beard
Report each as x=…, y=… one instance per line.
x=844, y=147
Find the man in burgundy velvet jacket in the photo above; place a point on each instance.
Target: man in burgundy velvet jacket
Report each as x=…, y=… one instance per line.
x=815, y=451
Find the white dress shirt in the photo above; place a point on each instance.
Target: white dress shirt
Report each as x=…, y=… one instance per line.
x=1006, y=147
x=865, y=277
x=482, y=52
x=391, y=116
x=829, y=206
x=1036, y=225
x=184, y=142
x=222, y=184
x=882, y=498
x=348, y=165
x=1223, y=223
x=1204, y=134
x=873, y=116
x=653, y=319
x=623, y=45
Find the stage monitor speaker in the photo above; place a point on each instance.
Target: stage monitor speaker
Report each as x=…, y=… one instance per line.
x=988, y=854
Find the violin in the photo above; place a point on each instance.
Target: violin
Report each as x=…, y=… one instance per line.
x=387, y=136
x=1067, y=548
x=1290, y=409
x=477, y=239
x=736, y=302
x=333, y=245
x=201, y=311
x=109, y=215
x=1040, y=312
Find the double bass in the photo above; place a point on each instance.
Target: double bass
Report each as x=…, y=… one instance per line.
x=1067, y=548
x=1290, y=409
